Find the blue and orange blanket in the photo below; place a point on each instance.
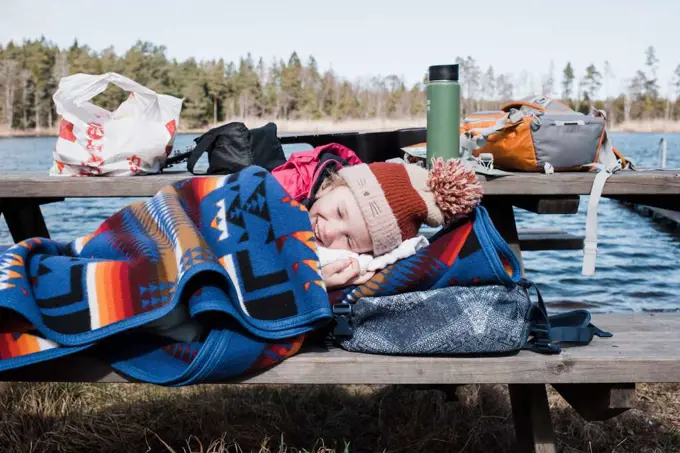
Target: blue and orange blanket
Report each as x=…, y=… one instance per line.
x=235, y=253
x=212, y=278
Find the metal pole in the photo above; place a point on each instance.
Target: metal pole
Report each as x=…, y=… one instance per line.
x=663, y=152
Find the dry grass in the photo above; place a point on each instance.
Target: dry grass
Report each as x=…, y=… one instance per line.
x=657, y=126
x=331, y=126
x=375, y=124
x=7, y=132
x=319, y=419
x=284, y=126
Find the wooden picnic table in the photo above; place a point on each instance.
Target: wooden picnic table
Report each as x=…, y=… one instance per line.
x=598, y=380
x=22, y=193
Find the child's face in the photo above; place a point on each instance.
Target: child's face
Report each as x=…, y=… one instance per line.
x=338, y=223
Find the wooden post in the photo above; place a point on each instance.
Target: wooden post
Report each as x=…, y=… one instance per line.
x=24, y=218
x=530, y=410
x=598, y=401
x=531, y=415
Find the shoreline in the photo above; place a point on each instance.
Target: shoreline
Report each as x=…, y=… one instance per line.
x=283, y=126
x=359, y=125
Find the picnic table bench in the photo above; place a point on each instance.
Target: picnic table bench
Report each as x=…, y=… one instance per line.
x=597, y=380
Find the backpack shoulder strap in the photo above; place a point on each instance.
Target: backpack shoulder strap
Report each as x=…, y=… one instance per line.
x=206, y=141
x=570, y=327
x=574, y=327
x=475, y=138
x=538, y=103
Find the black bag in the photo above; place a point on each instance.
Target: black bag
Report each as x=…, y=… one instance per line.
x=233, y=147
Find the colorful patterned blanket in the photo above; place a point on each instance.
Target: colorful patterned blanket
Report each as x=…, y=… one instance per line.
x=231, y=261
x=468, y=252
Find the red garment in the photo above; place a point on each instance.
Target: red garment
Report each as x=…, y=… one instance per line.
x=303, y=168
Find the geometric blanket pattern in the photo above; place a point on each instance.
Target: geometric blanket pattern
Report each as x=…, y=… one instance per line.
x=235, y=255
x=465, y=253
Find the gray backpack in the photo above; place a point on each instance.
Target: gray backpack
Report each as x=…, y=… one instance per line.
x=539, y=134
x=476, y=320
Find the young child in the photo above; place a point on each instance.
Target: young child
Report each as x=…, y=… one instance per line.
x=375, y=207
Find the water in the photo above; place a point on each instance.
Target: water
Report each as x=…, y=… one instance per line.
x=637, y=265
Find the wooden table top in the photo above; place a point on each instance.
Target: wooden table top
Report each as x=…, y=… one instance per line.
x=664, y=183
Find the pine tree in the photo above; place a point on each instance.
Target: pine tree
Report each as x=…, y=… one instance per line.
x=489, y=84
x=8, y=79
x=592, y=81
x=548, y=84
x=505, y=87
x=328, y=93
x=291, y=86
x=567, y=82
x=651, y=84
x=216, y=87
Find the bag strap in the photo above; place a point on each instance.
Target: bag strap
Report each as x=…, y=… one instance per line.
x=539, y=327
x=569, y=327
x=608, y=164
x=203, y=144
x=206, y=141
x=574, y=327
x=590, y=242
x=475, y=138
x=538, y=103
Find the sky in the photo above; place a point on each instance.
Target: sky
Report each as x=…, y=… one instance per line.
x=373, y=37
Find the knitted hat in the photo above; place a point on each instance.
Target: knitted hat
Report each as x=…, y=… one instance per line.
x=396, y=199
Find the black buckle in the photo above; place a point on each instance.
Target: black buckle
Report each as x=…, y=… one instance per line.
x=341, y=309
x=542, y=342
x=342, y=314
x=545, y=346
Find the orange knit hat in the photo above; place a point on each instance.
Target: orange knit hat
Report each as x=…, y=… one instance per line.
x=396, y=199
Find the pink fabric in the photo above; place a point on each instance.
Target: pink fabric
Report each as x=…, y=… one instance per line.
x=298, y=174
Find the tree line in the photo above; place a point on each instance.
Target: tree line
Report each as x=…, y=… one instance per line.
x=642, y=97
x=216, y=91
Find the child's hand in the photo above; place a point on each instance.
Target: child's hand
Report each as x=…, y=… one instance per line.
x=340, y=273
x=360, y=280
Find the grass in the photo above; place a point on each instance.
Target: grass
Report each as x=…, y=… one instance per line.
x=656, y=126
x=314, y=419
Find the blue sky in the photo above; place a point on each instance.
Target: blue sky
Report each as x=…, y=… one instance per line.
x=369, y=37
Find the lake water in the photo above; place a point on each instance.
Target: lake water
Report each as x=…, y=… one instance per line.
x=638, y=265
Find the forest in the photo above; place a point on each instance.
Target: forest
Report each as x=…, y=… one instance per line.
x=217, y=91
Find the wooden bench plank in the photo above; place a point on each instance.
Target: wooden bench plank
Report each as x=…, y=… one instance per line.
x=669, y=203
x=627, y=357
x=548, y=205
x=548, y=239
x=38, y=184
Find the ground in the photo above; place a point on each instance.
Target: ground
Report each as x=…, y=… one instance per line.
x=319, y=419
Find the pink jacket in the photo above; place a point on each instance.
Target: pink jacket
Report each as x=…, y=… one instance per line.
x=302, y=170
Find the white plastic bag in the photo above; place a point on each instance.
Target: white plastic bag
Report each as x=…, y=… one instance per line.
x=134, y=139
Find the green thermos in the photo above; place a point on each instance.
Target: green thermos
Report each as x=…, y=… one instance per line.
x=443, y=113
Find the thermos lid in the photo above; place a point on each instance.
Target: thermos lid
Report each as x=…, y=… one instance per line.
x=444, y=72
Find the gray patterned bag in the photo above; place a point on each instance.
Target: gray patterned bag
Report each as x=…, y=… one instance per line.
x=456, y=320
